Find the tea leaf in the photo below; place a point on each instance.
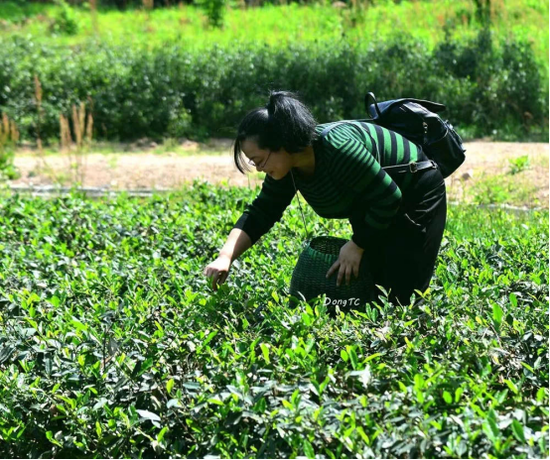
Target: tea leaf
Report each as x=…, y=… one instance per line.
x=517, y=429
x=148, y=415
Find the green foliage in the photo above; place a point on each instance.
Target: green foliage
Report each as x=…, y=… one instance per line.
x=483, y=11
x=20, y=10
x=215, y=10
x=519, y=164
x=284, y=24
x=492, y=190
x=113, y=344
x=481, y=76
x=502, y=189
x=65, y=21
x=170, y=91
x=7, y=169
x=9, y=136
x=491, y=77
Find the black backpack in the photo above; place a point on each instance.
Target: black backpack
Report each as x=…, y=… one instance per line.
x=417, y=120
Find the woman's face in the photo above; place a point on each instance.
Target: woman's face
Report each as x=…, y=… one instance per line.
x=275, y=164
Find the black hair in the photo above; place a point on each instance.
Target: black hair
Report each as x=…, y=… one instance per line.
x=284, y=122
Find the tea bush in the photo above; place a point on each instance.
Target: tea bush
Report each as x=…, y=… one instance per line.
x=113, y=344
x=170, y=91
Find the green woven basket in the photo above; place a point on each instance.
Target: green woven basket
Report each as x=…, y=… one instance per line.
x=309, y=276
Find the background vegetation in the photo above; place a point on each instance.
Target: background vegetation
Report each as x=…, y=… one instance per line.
x=187, y=25
x=170, y=72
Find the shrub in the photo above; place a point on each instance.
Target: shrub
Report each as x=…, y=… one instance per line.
x=505, y=87
x=9, y=137
x=65, y=21
x=163, y=91
x=215, y=10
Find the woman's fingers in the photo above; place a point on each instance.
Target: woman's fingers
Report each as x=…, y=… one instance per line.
x=332, y=269
x=345, y=272
x=356, y=271
x=218, y=279
x=341, y=274
x=348, y=275
x=215, y=277
x=218, y=271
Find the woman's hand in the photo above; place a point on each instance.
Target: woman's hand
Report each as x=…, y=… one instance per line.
x=348, y=262
x=218, y=270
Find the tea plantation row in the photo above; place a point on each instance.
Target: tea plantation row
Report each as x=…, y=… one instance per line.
x=112, y=343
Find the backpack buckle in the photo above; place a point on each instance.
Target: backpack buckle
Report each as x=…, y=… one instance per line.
x=413, y=167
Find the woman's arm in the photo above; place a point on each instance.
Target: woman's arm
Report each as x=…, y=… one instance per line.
x=256, y=220
x=237, y=243
x=218, y=270
x=268, y=208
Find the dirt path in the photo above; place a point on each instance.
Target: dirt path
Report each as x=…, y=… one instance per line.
x=145, y=169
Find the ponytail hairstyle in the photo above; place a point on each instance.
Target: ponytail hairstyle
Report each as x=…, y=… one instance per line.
x=284, y=122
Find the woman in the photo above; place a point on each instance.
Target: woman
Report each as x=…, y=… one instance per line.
x=397, y=221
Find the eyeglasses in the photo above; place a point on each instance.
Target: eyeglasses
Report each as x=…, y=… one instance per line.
x=262, y=166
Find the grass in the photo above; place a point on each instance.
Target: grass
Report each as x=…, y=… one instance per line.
x=504, y=189
x=113, y=344
x=516, y=182
x=211, y=147
x=187, y=25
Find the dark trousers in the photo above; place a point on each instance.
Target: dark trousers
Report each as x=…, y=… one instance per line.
x=404, y=257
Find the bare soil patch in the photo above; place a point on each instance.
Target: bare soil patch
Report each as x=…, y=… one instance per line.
x=144, y=169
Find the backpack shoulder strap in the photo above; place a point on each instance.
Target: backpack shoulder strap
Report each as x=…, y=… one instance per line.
x=412, y=167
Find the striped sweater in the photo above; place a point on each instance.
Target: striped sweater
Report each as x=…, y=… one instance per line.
x=348, y=183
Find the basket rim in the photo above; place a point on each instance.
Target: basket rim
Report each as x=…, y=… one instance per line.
x=330, y=241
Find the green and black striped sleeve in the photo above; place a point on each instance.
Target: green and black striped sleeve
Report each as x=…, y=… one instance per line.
x=378, y=196
x=267, y=208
